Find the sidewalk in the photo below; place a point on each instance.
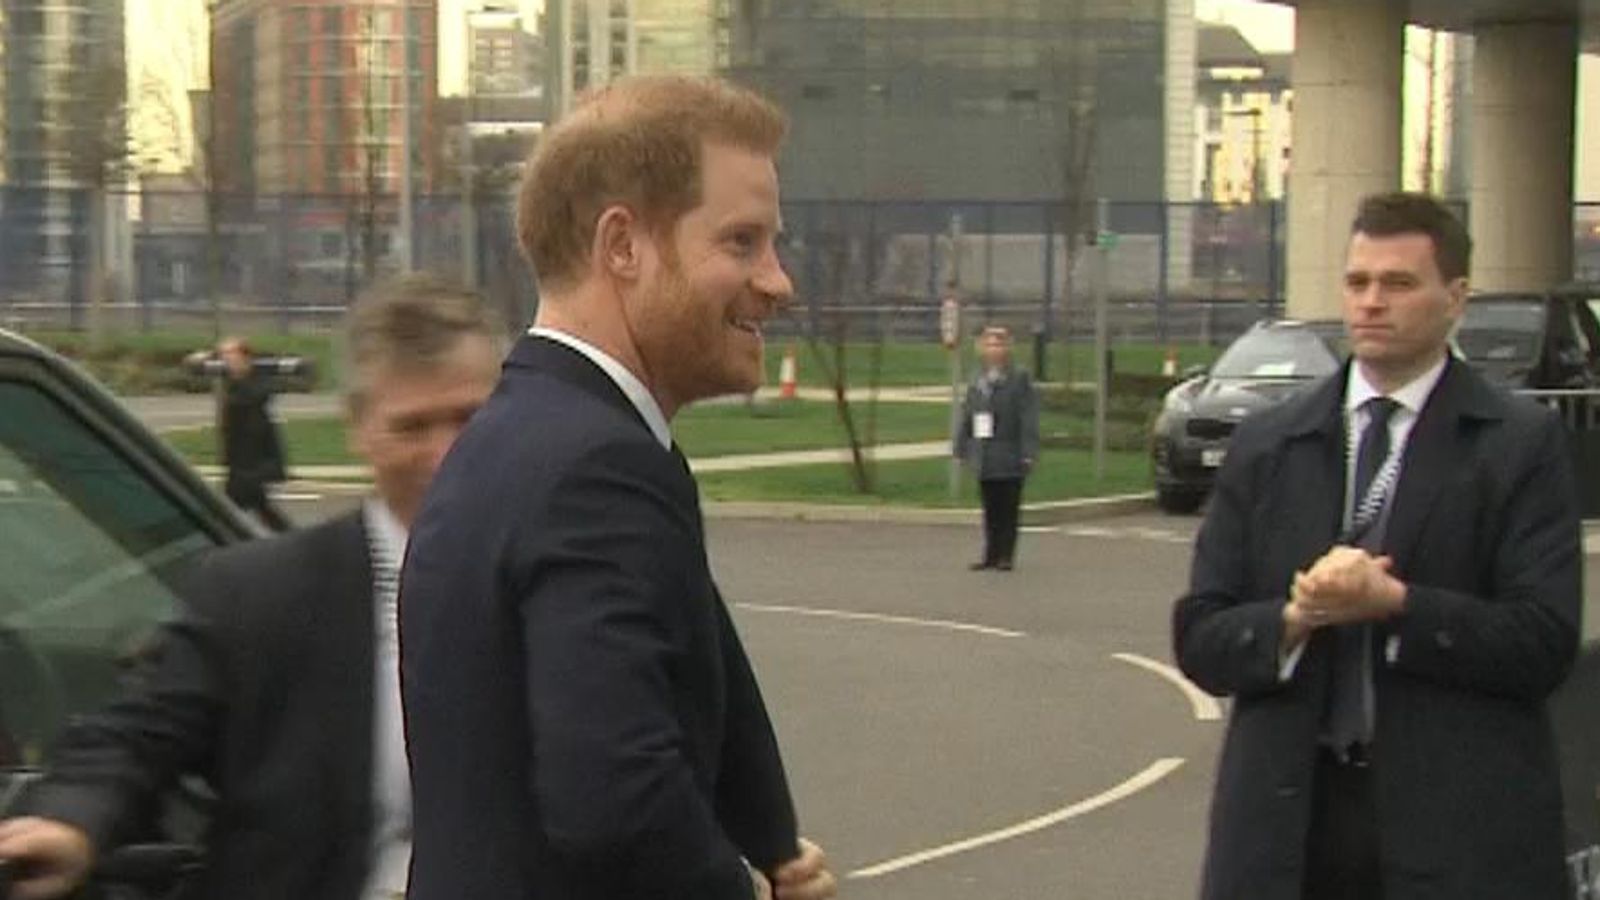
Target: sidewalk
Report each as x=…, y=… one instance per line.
x=735, y=463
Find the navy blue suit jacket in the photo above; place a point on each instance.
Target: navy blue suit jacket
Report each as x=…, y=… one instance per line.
x=581, y=717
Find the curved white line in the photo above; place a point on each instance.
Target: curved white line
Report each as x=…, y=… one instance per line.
x=1156, y=771
x=1206, y=708
x=878, y=617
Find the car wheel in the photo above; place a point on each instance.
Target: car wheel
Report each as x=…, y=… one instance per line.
x=1179, y=501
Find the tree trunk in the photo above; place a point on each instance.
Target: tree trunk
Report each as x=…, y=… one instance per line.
x=96, y=287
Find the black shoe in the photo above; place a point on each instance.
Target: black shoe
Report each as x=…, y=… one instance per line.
x=1003, y=565
x=980, y=566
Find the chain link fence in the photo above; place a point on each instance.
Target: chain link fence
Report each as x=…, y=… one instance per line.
x=1173, y=272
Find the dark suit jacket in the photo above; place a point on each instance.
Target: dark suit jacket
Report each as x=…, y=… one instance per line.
x=1015, y=406
x=582, y=721
x=1484, y=531
x=264, y=687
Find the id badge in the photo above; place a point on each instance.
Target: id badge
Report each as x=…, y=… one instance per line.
x=983, y=425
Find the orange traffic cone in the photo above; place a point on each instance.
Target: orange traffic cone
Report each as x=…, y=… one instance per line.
x=786, y=376
x=1169, y=366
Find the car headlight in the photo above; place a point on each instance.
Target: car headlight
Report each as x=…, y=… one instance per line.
x=1177, y=401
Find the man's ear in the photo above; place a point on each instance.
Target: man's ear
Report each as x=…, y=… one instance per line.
x=1459, y=290
x=617, y=237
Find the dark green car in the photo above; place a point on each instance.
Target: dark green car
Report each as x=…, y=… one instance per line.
x=97, y=518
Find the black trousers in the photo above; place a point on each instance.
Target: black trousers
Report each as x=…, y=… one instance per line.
x=251, y=496
x=1002, y=501
x=1342, y=842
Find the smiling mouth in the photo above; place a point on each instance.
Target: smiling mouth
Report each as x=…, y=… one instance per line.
x=750, y=326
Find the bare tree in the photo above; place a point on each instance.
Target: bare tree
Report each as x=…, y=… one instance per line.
x=1071, y=70
x=841, y=258
x=98, y=156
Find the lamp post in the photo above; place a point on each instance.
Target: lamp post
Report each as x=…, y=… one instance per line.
x=408, y=257
x=469, y=217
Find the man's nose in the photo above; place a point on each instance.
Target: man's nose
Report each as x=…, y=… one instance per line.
x=438, y=441
x=774, y=283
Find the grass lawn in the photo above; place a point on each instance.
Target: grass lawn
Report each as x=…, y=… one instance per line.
x=313, y=442
x=134, y=362
x=721, y=429
x=1062, y=475
x=907, y=364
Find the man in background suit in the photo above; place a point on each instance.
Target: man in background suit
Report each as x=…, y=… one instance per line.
x=280, y=684
x=582, y=719
x=1387, y=583
x=252, y=450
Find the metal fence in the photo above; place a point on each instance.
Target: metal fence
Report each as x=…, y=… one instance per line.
x=1174, y=272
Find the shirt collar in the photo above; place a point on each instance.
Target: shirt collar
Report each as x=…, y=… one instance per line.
x=1412, y=396
x=384, y=529
x=631, y=386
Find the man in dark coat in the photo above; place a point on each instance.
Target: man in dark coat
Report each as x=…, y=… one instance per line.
x=252, y=451
x=997, y=437
x=279, y=685
x=582, y=719
x=1387, y=582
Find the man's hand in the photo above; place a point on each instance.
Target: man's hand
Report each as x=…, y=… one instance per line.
x=1348, y=585
x=759, y=884
x=49, y=859
x=806, y=877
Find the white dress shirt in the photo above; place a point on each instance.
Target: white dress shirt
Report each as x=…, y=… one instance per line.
x=391, y=773
x=1358, y=390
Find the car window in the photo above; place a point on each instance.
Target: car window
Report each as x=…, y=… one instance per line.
x=89, y=547
x=1501, y=332
x=1277, y=353
x=1587, y=329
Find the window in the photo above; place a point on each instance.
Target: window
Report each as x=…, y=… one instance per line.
x=90, y=547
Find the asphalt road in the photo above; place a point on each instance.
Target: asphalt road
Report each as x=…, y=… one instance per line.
x=955, y=735
x=906, y=731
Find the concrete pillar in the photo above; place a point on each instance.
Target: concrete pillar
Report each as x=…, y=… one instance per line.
x=1179, y=114
x=1347, y=107
x=1524, y=91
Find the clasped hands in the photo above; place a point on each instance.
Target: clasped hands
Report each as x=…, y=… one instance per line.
x=1347, y=585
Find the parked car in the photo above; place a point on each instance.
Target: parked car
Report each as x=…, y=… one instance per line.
x=1265, y=365
x=286, y=373
x=98, y=519
x=1547, y=340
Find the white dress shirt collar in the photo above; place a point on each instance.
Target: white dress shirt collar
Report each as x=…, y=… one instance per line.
x=384, y=526
x=1412, y=396
x=391, y=778
x=629, y=383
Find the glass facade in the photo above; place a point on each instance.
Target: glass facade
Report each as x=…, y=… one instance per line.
x=960, y=99
x=65, y=85
x=678, y=36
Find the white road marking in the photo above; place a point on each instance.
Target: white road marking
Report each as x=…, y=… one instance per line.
x=885, y=619
x=1141, y=533
x=1206, y=708
x=1040, y=529
x=1156, y=771
x=297, y=498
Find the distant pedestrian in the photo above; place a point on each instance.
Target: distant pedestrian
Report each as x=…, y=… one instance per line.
x=251, y=448
x=998, y=439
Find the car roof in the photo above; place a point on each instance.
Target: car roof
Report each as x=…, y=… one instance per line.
x=1319, y=327
x=92, y=398
x=15, y=344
